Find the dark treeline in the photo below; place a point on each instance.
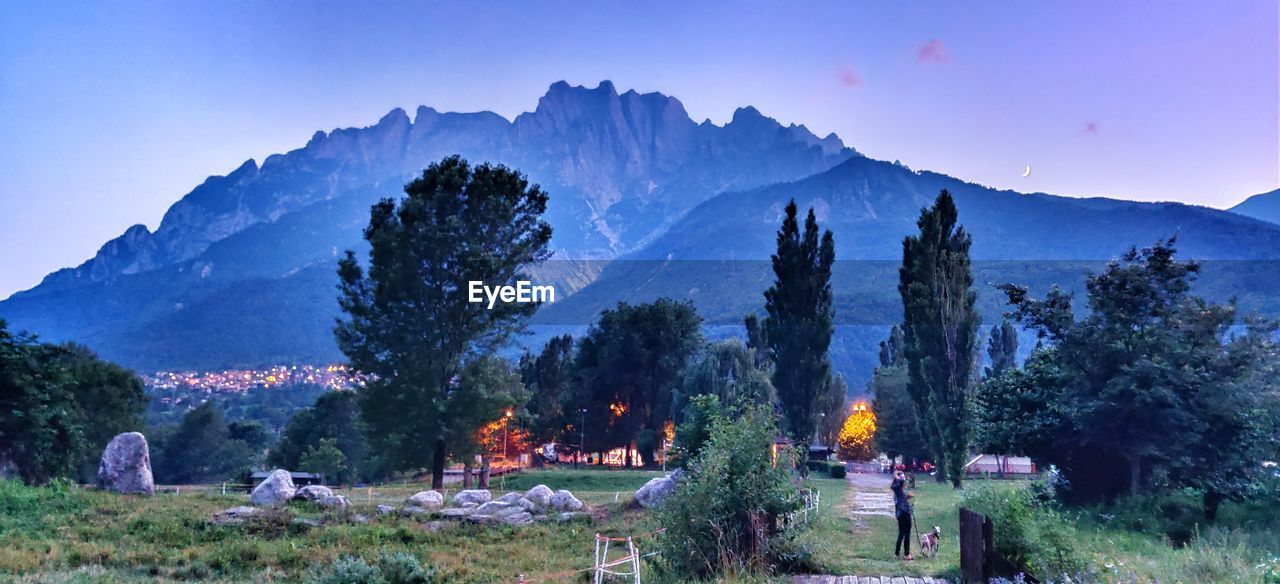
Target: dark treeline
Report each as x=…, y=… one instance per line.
x=1140, y=387
x=1149, y=389
x=59, y=406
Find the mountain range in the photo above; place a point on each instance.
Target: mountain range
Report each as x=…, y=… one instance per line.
x=644, y=201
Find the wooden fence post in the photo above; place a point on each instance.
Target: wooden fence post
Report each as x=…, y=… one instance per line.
x=974, y=553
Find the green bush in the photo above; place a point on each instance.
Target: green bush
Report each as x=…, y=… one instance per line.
x=838, y=471
x=393, y=568
x=404, y=568
x=1028, y=532
x=1177, y=516
x=727, y=514
x=349, y=570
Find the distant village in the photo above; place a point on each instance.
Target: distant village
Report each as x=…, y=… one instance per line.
x=337, y=377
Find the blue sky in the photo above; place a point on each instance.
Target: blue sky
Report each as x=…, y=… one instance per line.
x=109, y=112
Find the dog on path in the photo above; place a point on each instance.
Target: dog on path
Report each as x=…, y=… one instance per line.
x=929, y=542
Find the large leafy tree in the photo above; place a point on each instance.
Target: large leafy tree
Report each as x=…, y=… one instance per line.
x=409, y=323
x=59, y=406
x=898, y=421
x=547, y=377
x=1154, y=385
x=799, y=324
x=335, y=417
x=484, y=393
x=200, y=449
x=940, y=326
x=727, y=369
x=629, y=369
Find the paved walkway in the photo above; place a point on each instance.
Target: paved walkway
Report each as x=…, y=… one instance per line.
x=865, y=580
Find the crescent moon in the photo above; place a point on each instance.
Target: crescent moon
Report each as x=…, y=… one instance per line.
x=1027, y=172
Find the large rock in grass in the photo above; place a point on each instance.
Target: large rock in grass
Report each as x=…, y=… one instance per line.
x=276, y=490
x=126, y=465
x=313, y=493
x=540, y=496
x=426, y=500
x=335, y=502
x=654, y=492
x=234, y=515
x=472, y=496
x=565, y=501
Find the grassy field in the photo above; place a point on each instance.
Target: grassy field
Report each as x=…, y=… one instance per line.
x=69, y=534
x=1241, y=548
x=864, y=545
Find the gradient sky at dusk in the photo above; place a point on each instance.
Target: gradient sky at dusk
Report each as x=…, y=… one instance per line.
x=109, y=112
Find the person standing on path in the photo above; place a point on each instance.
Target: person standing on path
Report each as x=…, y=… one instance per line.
x=902, y=511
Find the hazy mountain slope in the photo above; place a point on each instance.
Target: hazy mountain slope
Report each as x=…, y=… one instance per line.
x=1265, y=206
x=717, y=255
x=620, y=168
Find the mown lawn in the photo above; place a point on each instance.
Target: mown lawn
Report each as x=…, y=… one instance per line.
x=863, y=545
x=1243, y=545
x=70, y=534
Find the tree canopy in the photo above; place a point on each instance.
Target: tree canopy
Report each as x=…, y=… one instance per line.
x=59, y=406
x=799, y=324
x=940, y=326
x=630, y=367
x=408, y=320
x=1153, y=387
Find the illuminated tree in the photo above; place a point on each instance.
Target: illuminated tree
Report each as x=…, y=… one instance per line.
x=857, y=437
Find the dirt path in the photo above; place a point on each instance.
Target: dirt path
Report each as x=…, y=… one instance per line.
x=871, y=495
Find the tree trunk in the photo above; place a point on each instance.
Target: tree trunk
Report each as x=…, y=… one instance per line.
x=484, y=472
x=437, y=466
x=1212, y=501
x=466, y=474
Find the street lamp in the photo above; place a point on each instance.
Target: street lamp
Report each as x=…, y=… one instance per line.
x=582, y=434
x=505, y=423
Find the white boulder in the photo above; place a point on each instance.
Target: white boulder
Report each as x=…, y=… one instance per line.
x=126, y=465
x=313, y=493
x=658, y=489
x=474, y=496
x=565, y=501
x=426, y=500
x=276, y=490
x=337, y=502
x=540, y=496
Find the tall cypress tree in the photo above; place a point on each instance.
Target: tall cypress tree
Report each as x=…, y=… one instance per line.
x=940, y=326
x=799, y=323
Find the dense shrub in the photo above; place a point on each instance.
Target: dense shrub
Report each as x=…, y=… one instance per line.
x=838, y=471
x=394, y=568
x=726, y=516
x=1028, y=532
